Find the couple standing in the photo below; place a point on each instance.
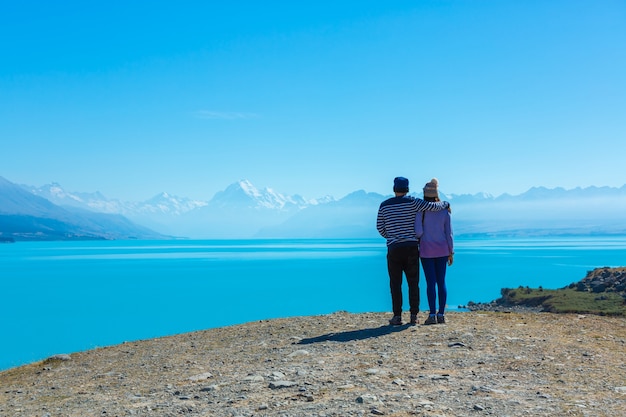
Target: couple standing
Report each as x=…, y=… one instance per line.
x=410, y=224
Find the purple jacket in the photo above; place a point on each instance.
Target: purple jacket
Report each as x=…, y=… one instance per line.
x=435, y=234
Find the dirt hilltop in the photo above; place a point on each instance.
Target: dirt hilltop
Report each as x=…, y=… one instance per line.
x=479, y=363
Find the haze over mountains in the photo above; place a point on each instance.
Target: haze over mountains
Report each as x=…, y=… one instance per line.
x=26, y=216
x=243, y=211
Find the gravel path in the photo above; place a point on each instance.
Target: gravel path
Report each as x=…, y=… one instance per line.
x=479, y=363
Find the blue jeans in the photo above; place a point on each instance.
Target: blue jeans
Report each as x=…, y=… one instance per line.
x=435, y=274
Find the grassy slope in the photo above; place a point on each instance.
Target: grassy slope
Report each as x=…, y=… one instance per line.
x=566, y=300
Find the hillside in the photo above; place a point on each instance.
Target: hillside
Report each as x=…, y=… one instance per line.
x=25, y=216
x=602, y=291
x=342, y=364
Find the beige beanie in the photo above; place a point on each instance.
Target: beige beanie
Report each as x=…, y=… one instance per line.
x=431, y=189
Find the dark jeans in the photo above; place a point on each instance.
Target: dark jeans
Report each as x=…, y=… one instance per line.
x=404, y=259
x=435, y=274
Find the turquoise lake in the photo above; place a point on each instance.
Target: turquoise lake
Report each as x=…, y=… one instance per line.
x=62, y=297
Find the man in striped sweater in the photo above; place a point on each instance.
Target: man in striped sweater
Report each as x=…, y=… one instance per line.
x=396, y=223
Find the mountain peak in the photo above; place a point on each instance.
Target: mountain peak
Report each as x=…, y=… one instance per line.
x=247, y=186
x=166, y=203
x=244, y=194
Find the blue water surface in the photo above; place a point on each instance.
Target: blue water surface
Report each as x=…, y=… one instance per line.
x=62, y=297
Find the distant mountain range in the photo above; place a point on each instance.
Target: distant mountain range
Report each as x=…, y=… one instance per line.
x=243, y=211
x=26, y=216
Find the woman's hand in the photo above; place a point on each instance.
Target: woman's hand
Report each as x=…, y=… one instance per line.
x=451, y=258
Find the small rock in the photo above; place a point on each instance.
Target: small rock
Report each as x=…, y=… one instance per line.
x=281, y=384
x=200, y=377
x=308, y=397
x=300, y=352
x=254, y=378
x=367, y=399
x=62, y=357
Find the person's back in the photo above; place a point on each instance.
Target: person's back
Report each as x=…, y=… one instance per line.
x=436, y=250
x=435, y=234
x=396, y=223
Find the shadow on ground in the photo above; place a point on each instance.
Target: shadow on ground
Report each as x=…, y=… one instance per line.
x=354, y=334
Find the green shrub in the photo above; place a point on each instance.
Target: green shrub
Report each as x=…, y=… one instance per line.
x=569, y=300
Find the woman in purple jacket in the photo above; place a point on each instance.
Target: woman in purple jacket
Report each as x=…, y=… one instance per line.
x=436, y=252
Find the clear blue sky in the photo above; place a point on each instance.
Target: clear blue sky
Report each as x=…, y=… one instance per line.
x=131, y=98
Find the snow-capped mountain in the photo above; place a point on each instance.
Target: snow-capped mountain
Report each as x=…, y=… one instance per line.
x=353, y=216
x=26, y=216
x=56, y=194
x=239, y=194
x=165, y=203
x=244, y=194
x=465, y=198
x=242, y=210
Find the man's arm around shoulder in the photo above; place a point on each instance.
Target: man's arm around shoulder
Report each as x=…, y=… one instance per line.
x=432, y=205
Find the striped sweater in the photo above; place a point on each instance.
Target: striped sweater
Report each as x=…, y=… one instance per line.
x=396, y=219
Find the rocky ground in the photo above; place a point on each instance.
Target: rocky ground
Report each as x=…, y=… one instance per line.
x=478, y=364
x=604, y=280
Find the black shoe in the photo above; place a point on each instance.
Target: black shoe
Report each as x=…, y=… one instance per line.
x=430, y=320
x=396, y=321
x=413, y=318
x=441, y=319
